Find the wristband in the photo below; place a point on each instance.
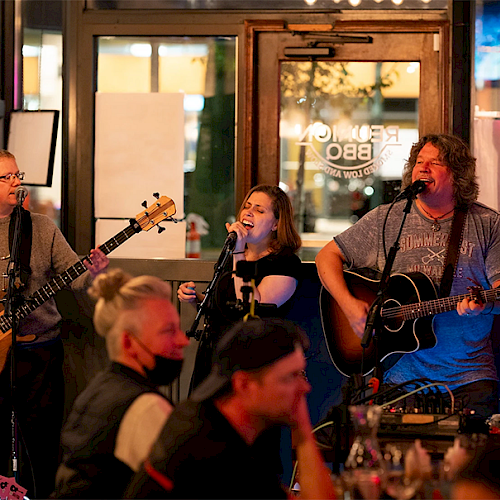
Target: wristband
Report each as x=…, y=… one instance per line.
x=236, y=253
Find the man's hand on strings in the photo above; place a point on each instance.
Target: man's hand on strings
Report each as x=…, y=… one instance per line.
x=97, y=262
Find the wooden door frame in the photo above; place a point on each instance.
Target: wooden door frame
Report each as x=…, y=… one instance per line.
x=256, y=173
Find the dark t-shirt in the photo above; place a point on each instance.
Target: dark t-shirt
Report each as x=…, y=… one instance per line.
x=221, y=311
x=200, y=455
x=224, y=315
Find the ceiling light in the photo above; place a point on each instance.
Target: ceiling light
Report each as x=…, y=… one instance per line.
x=141, y=49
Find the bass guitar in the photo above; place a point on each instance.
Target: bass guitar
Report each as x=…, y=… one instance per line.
x=407, y=313
x=162, y=209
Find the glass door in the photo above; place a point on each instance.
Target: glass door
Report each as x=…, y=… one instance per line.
x=345, y=131
x=345, y=122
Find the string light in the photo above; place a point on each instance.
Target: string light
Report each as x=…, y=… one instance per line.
x=354, y=3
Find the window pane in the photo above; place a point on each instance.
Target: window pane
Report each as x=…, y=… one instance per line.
x=487, y=57
x=487, y=101
x=345, y=130
x=203, y=68
x=42, y=89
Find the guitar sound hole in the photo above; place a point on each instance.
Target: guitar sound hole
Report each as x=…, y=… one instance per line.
x=393, y=320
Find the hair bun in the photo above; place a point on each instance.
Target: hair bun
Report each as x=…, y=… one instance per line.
x=107, y=285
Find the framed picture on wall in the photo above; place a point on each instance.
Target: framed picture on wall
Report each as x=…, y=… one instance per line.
x=32, y=140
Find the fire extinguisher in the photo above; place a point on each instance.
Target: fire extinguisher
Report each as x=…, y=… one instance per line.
x=193, y=243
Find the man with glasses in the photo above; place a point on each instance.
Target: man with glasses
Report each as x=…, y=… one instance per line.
x=39, y=390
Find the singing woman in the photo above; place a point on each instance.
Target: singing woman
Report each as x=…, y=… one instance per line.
x=266, y=236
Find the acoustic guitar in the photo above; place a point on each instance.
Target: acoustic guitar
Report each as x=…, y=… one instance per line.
x=407, y=314
x=160, y=210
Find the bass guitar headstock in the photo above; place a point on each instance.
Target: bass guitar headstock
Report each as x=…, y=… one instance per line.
x=161, y=209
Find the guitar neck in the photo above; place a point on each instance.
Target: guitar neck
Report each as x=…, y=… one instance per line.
x=67, y=277
x=437, y=306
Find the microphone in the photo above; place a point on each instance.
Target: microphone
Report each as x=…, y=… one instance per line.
x=229, y=245
x=21, y=192
x=411, y=191
x=231, y=239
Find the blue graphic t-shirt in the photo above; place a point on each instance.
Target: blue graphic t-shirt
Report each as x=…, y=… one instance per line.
x=463, y=352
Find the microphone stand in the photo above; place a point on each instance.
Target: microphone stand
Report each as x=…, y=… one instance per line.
x=373, y=320
x=13, y=302
x=219, y=267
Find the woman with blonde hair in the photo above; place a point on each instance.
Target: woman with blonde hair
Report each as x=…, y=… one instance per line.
x=116, y=419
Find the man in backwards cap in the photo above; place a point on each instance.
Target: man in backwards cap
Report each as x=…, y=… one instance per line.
x=219, y=443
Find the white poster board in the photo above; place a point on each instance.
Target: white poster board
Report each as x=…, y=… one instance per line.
x=139, y=150
x=32, y=140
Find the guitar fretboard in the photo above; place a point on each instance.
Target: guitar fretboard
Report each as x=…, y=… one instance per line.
x=437, y=306
x=66, y=278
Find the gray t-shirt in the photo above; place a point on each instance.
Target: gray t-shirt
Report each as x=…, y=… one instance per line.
x=463, y=353
x=51, y=255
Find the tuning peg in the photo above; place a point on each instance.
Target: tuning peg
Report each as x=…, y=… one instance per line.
x=156, y=195
x=160, y=229
x=144, y=204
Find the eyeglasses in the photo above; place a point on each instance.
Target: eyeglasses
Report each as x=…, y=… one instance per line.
x=10, y=177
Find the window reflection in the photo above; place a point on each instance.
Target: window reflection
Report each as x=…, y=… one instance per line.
x=345, y=131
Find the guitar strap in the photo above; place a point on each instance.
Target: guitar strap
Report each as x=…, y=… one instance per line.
x=26, y=238
x=454, y=243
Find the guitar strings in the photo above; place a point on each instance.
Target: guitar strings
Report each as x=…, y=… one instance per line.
x=406, y=311
x=47, y=291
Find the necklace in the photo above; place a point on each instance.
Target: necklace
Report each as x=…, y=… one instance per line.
x=436, y=226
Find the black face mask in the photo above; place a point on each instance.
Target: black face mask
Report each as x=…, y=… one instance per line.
x=165, y=371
